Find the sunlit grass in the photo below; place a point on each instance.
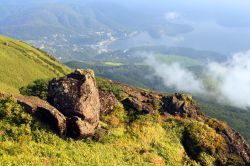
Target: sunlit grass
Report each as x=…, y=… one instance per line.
x=113, y=64
x=21, y=64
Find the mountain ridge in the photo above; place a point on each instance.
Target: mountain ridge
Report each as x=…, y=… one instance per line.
x=136, y=127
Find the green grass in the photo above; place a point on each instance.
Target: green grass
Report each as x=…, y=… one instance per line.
x=145, y=140
x=21, y=64
x=113, y=64
x=142, y=142
x=168, y=59
x=8, y=89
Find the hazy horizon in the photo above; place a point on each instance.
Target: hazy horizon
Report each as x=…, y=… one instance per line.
x=217, y=26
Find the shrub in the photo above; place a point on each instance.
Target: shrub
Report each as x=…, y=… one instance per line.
x=105, y=85
x=38, y=88
x=12, y=112
x=202, y=142
x=15, y=122
x=235, y=160
x=215, y=124
x=206, y=160
x=117, y=117
x=101, y=135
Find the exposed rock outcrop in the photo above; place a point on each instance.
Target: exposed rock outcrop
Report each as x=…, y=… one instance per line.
x=108, y=102
x=44, y=112
x=181, y=105
x=140, y=100
x=77, y=97
x=236, y=143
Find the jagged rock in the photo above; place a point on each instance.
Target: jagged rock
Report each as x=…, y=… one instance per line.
x=133, y=103
x=140, y=100
x=236, y=143
x=44, y=112
x=181, y=105
x=108, y=102
x=76, y=95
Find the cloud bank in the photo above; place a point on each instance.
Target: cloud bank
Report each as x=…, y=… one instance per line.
x=231, y=78
x=176, y=76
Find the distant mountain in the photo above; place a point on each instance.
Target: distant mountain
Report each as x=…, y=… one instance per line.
x=73, y=28
x=51, y=18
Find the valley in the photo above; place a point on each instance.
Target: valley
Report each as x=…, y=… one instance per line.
x=107, y=82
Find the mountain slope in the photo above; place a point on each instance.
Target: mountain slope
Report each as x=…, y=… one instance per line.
x=21, y=64
x=137, y=127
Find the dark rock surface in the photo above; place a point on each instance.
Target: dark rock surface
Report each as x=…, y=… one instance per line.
x=237, y=143
x=76, y=95
x=108, y=102
x=140, y=100
x=181, y=105
x=78, y=128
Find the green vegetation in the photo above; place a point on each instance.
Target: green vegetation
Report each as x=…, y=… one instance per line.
x=146, y=140
x=183, y=60
x=107, y=86
x=38, y=88
x=21, y=64
x=203, y=144
x=124, y=139
x=235, y=117
x=200, y=139
x=113, y=64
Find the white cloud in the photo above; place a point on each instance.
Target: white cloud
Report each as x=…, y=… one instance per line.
x=232, y=79
x=172, y=15
x=176, y=76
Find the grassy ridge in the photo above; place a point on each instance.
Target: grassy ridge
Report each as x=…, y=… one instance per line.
x=146, y=140
x=21, y=64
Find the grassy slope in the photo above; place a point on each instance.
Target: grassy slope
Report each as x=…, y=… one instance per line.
x=144, y=141
x=21, y=64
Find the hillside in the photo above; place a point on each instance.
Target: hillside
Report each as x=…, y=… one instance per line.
x=137, y=127
x=21, y=64
x=106, y=123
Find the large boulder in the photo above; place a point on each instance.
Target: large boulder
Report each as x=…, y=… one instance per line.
x=43, y=111
x=181, y=105
x=76, y=96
